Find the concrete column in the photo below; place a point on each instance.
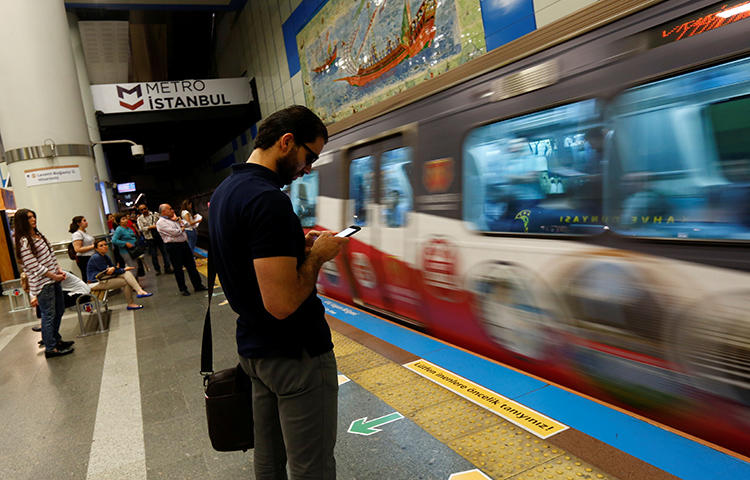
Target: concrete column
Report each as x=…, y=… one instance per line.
x=102, y=168
x=40, y=103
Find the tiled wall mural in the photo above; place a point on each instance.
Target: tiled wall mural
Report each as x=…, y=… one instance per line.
x=263, y=42
x=355, y=54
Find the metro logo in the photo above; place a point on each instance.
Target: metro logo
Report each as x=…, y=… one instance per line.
x=121, y=92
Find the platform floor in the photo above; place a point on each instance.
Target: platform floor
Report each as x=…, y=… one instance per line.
x=128, y=404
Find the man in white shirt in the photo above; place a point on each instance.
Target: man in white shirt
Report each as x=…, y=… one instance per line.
x=175, y=241
x=147, y=225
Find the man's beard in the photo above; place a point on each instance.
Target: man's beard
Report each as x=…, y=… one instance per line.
x=286, y=168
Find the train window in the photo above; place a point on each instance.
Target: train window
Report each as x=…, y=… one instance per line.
x=304, y=195
x=396, y=193
x=539, y=173
x=731, y=128
x=361, y=187
x=682, y=163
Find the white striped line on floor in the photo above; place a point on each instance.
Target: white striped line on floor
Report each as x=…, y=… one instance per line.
x=117, y=449
x=9, y=333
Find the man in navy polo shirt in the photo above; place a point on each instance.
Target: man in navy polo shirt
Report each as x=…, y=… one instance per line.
x=268, y=268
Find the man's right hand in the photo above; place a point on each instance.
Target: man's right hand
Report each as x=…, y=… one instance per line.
x=110, y=270
x=327, y=246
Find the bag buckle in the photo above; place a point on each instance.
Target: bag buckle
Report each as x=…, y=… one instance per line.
x=206, y=376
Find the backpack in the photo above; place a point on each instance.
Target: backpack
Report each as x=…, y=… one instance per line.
x=72, y=252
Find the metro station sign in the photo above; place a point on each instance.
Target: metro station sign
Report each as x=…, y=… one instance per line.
x=170, y=95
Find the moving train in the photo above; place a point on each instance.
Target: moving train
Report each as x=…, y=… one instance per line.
x=575, y=204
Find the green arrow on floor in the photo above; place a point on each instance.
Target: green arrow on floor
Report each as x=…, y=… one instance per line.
x=361, y=426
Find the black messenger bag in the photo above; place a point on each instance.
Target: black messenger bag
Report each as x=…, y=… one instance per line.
x=229, y=401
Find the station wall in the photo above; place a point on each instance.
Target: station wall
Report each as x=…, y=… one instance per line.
x=260, y=41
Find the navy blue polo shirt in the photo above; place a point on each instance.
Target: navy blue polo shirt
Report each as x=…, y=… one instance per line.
x=249, y=218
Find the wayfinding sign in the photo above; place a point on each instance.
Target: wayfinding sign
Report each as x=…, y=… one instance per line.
x=530, y=420
x=56, y=174
x=362, y=426
x=170, y=95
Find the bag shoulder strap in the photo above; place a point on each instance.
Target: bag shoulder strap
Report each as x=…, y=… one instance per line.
x=207, y=350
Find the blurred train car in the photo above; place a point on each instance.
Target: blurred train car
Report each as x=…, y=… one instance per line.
x=575, y=204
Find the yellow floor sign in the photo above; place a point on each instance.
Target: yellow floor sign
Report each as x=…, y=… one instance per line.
x=526, y=418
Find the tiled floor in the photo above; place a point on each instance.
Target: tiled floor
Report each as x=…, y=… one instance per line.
x=49, y=407
x=84, y=416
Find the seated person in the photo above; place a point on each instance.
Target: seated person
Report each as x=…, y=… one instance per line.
x=103, y=275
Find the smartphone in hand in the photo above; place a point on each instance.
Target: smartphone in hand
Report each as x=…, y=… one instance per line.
x=349, y=231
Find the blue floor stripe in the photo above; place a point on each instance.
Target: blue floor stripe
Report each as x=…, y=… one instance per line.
x=668, y=451
x=507, y=382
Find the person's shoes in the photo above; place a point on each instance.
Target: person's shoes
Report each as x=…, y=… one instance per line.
x=200, y=288
x=168, y=270
x=143, y=295
x=36, y=328
x=58, y=352
x=158, y=272
x=40, y=343
x=63, y=345
x=185, y=293
x=137, y=307
x=141, y=274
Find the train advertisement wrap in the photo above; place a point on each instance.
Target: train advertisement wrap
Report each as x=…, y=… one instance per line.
x=592, y=231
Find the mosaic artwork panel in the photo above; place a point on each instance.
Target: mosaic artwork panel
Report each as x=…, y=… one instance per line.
x=356, y=54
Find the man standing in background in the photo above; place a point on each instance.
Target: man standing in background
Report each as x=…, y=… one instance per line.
x=175, y=241
x=147, y=225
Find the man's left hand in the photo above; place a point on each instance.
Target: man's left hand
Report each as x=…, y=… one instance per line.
x=310, y=238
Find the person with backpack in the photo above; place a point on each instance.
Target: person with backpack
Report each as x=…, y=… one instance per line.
x=82, y=243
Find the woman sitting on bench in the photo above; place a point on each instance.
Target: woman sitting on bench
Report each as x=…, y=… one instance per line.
x=100, y=269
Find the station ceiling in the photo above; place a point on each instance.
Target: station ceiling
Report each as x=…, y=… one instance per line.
x=158, y=4
x=186, y=37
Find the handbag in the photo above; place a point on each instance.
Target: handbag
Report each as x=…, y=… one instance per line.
x=228, y=393
x=137, y=252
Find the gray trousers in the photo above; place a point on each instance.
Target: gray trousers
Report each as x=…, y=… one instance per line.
x=295, y=409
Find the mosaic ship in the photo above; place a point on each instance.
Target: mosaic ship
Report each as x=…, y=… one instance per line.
x=416, y=34
x=328, y=62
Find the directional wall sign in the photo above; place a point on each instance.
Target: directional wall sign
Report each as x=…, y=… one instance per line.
x=469, y=475
x=361, y=426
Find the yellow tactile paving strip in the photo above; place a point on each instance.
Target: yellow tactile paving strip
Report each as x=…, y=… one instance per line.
x=201, y=264
x=497, y=447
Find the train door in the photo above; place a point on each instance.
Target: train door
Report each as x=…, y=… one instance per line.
x=381, y=196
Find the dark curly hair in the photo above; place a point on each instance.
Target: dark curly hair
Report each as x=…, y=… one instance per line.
x=74, y=223
x=23, y=229
x=298, y=120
